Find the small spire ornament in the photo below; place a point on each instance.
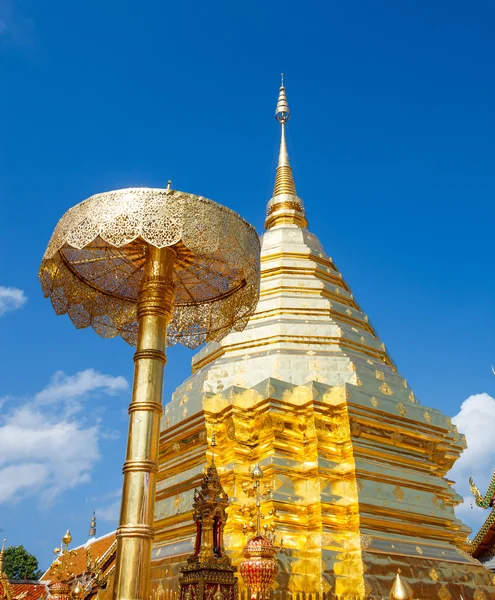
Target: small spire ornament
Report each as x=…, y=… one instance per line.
x=285, y=207
x=400, y=589
x=92, y=526
x=2, y=554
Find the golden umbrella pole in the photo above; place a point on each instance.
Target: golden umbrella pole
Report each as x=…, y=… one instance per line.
x=135, y=532
x=156, y=267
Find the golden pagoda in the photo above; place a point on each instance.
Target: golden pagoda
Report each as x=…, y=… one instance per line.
x=355, y=464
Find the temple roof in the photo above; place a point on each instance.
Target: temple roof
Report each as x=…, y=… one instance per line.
x=101, y=549
x=484, y=540
x=27, y=590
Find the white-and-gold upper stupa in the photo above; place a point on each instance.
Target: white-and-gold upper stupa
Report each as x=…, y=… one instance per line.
x=308, y=326
x=355, y=464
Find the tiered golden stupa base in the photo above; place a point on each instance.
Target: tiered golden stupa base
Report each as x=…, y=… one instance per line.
x=356, y=490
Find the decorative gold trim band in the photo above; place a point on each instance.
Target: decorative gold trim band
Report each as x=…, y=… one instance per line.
x=139, y=531
x=283, y=218
x=285, y=204
x=149, y=353
x=136, y=465
x=145, y=406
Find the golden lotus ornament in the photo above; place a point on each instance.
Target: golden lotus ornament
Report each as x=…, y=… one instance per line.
x=157, y=267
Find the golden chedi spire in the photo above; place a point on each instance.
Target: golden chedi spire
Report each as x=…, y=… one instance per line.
x=285, y=207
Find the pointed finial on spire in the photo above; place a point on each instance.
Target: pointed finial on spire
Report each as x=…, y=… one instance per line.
x=282, y=112
x=2, y=552
x=92, y=526
x=285, y=207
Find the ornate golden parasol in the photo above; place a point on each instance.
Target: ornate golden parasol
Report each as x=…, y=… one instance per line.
x=156, y=267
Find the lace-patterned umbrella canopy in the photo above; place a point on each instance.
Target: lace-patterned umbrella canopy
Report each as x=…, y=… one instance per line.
x=93, y=266
x=156, y=267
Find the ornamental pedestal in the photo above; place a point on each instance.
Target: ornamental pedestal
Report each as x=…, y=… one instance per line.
x=206, y=580
x=209, y=573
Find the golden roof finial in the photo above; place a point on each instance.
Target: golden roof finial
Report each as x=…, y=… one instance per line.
x=67, y=539
x=285, y=207
x=2, y=552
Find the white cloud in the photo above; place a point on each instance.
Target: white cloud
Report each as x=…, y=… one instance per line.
x=63, y=387
x=109, y=506
x=11, y=298
x=476, y=419
x=45, y=449
x=109, y=513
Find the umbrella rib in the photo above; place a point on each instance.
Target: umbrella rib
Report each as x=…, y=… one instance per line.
x=206, y=282
x=122, y=257
x=129, y=276
x=104, y=273
x=184, y=286
x=87, y=261
x=210, y=269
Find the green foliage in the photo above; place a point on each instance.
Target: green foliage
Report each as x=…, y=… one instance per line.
x=18, y=563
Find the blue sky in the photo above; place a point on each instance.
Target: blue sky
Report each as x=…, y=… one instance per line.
x=392, y=141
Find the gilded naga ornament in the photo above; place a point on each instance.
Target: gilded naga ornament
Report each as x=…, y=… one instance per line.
x=156, y=267
x=488, y=500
